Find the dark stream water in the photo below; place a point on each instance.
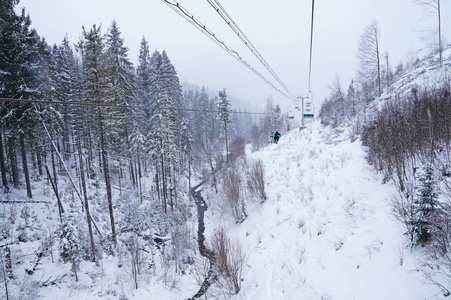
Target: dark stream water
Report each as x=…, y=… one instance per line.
x=201, y=209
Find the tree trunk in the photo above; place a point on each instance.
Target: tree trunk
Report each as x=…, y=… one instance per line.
x=378, y=65
x=6, y=188
x=189, y=173
x=66, y=139
x=90, y=157
x=54, y=170
x=25, y=165
x=106, y=173
x=139, y=176
x=85, y=198
x=39, y=153
x=163, y=179
x=13, y=161
x=132, y=172
x=157, y=181
x=227, y=143
x=55, y=190
x=439, y=34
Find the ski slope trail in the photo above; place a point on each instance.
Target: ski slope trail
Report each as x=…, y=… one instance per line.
x=326, y=230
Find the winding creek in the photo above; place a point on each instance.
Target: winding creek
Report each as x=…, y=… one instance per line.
x=201, y=209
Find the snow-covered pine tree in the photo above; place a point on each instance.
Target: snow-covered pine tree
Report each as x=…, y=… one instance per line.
x=224, y=110
x=162, y=139
x=137, y=144
x=202, y=118
x=66, y=86
x=171, y=82
x=123, y=91
x=69, y=248
x=21, y=66
x=143, y=72
x=8, y=77
x=272, y=118
x=214, y=130
x=191, y=101
x=96, y=84
x=186, y=143
x=426, y=206
x=122, y=85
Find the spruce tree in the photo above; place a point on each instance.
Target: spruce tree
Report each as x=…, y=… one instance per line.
x=425, y=206
x=143, y=72
x=69, y=248
x=122, y=81
x=162, y=139
x=96, y=85
x=224, y=110
x=202, y=119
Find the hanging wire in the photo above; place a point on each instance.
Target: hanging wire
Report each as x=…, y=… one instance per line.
x=116, y=105
x=232, y=24
x=311, y=48
x=196, y=23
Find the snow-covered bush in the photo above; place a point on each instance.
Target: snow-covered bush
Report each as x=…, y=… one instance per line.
x=230, y=260
x=256, y=180
x=232, y=202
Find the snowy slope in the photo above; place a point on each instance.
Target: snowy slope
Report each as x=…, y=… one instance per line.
x=326, y=231
x=427, y=74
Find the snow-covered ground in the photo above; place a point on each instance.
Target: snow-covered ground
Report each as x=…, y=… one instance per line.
x=326, y=231
x=427, y=73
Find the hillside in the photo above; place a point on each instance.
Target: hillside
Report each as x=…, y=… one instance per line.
x=326, y=230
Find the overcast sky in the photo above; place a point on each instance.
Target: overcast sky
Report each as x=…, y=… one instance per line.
x=279, y=29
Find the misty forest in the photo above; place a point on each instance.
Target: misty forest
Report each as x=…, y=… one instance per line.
x=118, y=181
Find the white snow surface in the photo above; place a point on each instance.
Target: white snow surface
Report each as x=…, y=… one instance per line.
x=326, y=230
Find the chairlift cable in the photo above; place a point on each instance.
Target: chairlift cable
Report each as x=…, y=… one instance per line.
x=311, y=48
x=210, y=34
x=116, y=105
x=232, y=24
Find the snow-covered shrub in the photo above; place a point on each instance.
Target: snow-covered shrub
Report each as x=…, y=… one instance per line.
x=230, y=260
x=232, y=202
x=256, y=180
x=183, y=248
x=237, y=148
x=135, y=258
x=402, y=209
x=301, y=254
